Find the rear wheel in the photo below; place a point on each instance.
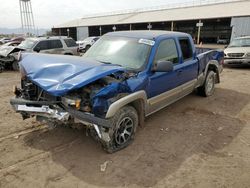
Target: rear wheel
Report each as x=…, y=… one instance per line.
x=124, y=125
x=209, y=86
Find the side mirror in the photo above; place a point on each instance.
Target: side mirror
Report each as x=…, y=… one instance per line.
x=37, y=49
x=163, y=66
x=226, y=46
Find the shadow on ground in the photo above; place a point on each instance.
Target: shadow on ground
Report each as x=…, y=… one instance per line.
x=194, y=125
x=238, y=66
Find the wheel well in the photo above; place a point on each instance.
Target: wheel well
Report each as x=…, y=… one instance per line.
x=140, y=108
x=215, y=69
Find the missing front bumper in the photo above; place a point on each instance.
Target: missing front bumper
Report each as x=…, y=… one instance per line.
x=63, y=114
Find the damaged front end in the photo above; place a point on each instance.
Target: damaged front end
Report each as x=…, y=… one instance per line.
x=86, y=105
x=9, y=58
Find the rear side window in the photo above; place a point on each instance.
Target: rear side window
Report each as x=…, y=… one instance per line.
x=43, y=45
x=167, y=51
x=186, y=49
x=55, y=44
x=70, y=42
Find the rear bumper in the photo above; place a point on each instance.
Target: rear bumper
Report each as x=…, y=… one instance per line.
x=236, y=61
x=44, y=108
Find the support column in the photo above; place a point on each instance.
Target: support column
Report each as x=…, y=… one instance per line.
x=172, y=26
x=100, y=29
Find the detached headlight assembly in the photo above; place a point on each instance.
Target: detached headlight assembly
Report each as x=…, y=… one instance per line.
x=73, y=102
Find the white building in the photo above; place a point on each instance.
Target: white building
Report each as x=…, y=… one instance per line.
x=219, y=19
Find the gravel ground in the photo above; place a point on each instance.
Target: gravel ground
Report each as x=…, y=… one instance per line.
x=196, y=142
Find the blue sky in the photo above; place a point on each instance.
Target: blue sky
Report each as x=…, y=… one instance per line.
x=48, y=13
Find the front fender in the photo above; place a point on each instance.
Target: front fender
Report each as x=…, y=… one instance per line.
x=114, y=107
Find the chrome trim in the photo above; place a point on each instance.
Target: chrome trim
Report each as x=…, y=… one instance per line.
x=165, y=99
x=97, y=130
x=44, y=111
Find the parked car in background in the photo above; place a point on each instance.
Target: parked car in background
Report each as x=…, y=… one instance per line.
x=238, y=51
x=125, y=77
x=50, y=45
x=18, y=39
x=4, y=40
x=222, y=41
x=11, y=43
x=85, y=44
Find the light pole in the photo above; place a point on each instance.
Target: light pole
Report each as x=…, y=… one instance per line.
x=114, y=28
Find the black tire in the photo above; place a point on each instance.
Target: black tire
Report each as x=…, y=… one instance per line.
x=15, y=66
x=209, y=85
x=125, y=123
x=1, y=68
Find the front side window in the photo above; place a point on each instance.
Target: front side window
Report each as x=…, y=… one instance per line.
x=167, y=51
x=42, y=45
x=186, y=49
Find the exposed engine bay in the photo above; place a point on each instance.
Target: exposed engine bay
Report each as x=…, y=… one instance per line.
x=93, y=98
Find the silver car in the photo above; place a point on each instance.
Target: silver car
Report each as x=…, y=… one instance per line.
x=50, y=45
x=238, y=51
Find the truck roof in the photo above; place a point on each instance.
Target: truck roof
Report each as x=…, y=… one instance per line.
x=146, y=34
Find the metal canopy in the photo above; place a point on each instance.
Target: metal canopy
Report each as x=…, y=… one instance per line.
x=211, y=11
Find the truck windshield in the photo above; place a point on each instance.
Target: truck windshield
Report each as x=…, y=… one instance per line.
x=126, y=52
x=28, y=43
x=242, y=42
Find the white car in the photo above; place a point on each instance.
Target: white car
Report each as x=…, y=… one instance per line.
x=85, y=44
x=4, y=40
x=238, y=51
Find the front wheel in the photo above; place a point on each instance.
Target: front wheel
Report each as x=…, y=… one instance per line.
x=209, y=86
x=124, y=125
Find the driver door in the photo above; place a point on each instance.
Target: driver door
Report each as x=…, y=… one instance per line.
x=163, y=86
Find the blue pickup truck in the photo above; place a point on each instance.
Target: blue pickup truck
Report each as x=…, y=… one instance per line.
x=123, y=78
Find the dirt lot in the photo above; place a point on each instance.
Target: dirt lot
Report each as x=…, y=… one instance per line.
x=196, y=142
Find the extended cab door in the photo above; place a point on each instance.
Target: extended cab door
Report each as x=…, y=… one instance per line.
x=163, y=86
x=187, y=71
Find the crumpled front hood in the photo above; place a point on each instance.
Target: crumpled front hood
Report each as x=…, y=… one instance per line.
x=6, y=50
x=58, y=74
